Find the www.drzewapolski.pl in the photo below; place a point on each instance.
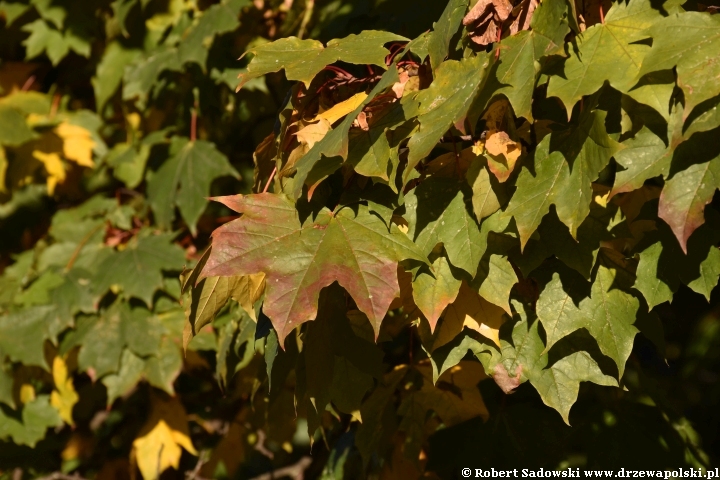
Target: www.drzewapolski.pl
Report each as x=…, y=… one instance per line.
x=582, y=473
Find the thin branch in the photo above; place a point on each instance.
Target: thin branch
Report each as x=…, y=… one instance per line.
x=80, y=246
x=295, y=471
x=309, y=7
x=62, y=476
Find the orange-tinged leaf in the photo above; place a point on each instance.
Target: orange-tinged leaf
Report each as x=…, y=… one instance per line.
x=500, y=146
x=77, y=144
x=313, y=133
x=350, y=246
x=64, y=397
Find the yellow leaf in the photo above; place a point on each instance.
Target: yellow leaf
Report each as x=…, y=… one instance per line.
x=54, y=168
x=478, y=147
x=341, y=109
x=27, y=393
x=472, y=311
x=158, y=445
x=64, y=397
x=313, y=133
x=77, y=144
x=249, y=289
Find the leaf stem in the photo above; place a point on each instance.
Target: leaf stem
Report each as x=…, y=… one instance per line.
x=270, y=179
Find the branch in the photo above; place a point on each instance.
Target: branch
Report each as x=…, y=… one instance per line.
x=295, y=471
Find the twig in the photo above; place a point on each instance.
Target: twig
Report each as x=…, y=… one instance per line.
x=295, y=471
x=309, y=7
x=202, y=460
x=602, y=14
x=28, y=83
x=267, y=185
x=80, y=246
x=62, y=476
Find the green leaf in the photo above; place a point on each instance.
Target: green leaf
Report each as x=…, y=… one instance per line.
x=645, y=156
x=609, y=315
x=352, y=247
x=137, y=269
x=708, y=118
x=44, y=38
x=606, y=52
x=664, y=266
x=10, y=11
x=141, y=76
x=444, y=30
x=655, y=90
x=559, y=385
x=496, y=277
x=28, y=426
x=445, y=103
x=184, y=181
x=13, y=129
x=685, y=40
x=23, y=333
x=303, y=59
x=565, y=165
x=652, y=277
x=110, y=70
x=437, y=213
x=369, y=152
x=434, y=290
x=216, y=20
x=520, y=55
x=488, y=195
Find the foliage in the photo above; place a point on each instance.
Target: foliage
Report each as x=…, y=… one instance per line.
x=469, y=234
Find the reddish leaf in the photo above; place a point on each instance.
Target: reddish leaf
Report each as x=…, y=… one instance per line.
x=352, y=247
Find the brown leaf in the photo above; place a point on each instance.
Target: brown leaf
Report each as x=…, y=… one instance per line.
x=485, y=8
x=522, y=14
x=507, y=383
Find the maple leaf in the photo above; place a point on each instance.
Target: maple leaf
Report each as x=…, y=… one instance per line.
x=443, y=31
x=28, y=426
x=159, y=442
x=521, y=55
x=349, y=246
x=303, y=59
x=686, y=40
x=184, y=180
x=589, y=148
x=436, y=212
x=606, y=51
x=138, y=268
x=445, y=103
x=433, y=291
